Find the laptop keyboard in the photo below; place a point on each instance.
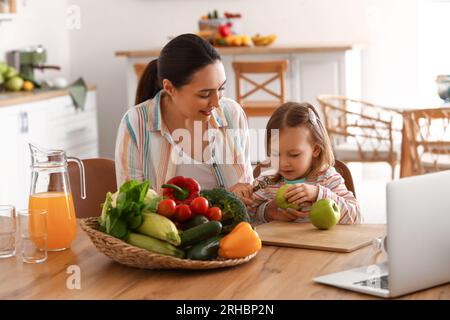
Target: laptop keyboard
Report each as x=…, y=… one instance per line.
x=376, y=282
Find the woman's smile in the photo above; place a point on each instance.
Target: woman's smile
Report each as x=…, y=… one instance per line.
x=207, y=112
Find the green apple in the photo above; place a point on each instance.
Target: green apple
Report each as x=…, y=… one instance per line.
x=3, y=67
x=10, y=73
x=281, y=200
x=324, y=214
x=14, y=84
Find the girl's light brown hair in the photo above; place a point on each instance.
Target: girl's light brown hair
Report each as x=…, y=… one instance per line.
x=293, y=114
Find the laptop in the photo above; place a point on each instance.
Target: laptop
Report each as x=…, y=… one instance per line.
x=417, y=242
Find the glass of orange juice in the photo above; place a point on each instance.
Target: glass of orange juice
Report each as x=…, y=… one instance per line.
x=50, y=191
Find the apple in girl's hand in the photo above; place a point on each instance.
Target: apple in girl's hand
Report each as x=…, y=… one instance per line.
x=281, y=200
x=324, y=214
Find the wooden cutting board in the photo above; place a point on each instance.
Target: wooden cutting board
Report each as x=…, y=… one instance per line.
x=340, y=238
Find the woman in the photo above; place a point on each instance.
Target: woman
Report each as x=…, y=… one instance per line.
x=183, y=126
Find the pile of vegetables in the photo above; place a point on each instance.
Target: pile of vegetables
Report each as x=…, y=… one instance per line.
x=185, y=222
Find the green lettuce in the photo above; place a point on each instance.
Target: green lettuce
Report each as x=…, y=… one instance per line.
x=122, y=211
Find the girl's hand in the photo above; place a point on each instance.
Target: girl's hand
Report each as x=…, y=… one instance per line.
x=244, y=192
x=288, y=215
x=302, y=192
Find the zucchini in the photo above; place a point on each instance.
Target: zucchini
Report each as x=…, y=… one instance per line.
x=205, y=250
x=196, y=221
x=159, y=227
x=202, y=232
x=154, y=245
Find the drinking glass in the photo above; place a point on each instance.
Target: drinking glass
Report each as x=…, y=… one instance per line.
x=33, y=235
x=7, y=231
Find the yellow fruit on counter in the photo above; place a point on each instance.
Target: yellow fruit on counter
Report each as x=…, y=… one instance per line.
x=259, y=40
x=237, y=41
x=27, y=86
x=229, y=40
x=234, y=40
x=246, y=41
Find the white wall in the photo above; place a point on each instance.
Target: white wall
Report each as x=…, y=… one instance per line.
x=394, y=62
x=434, y=52
x=39, y=22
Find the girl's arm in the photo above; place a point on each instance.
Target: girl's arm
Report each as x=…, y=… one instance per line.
x=333, y=187
x=261, y=200
x=128, y=164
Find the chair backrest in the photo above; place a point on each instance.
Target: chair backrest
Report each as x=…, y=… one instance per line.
x=344, y=171
x=243, y=68
x=100, y=177
x=340, y=167
x=428, y=139
x=372, y=129
x=139, y=69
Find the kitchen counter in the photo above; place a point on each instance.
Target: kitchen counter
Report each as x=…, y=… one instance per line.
x=272, y=49
x=13, y=98
x=275, y=273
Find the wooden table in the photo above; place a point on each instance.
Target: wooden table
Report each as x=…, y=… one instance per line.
x=275, y=273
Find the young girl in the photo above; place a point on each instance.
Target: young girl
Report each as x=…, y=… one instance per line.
x=298, y=144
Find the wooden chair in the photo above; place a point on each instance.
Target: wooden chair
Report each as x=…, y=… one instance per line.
x=427, y=141
x=340, y=167
x=361, y=131
x=100, y=177
x=139, y=69
x=260, y=107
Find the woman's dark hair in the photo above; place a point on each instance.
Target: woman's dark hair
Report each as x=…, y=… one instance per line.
x=177, y=62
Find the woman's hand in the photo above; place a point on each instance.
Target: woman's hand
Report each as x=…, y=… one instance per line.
x=302, y=192
x=288, y=215
x=244, y=192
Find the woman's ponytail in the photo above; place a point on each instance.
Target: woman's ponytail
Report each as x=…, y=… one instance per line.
x=149, y=83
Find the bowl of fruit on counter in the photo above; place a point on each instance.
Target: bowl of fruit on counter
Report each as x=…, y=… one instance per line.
x=264, y=40
x=184, y=227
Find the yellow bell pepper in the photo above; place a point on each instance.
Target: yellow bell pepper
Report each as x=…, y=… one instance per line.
x=240, y=242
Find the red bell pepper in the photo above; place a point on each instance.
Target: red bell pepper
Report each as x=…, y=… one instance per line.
x=181, y=189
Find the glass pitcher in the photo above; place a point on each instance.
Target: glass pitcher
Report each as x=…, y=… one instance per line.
x=50, y=190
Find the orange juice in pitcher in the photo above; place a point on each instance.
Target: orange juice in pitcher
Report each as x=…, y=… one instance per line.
x=61, y=220
x=50, y=191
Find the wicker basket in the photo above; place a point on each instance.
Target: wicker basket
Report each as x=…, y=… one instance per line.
x=129, y=255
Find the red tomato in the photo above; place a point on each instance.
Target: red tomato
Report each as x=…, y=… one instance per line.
x=167, y=208
x=214, y=213
x=183, y=212
x=199, y=205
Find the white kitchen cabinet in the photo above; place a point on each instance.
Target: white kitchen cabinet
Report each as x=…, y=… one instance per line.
x=52, y=124
x=11, y=130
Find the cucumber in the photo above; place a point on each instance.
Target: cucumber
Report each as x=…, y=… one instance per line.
x=205, y=250
x=196, y=221
x=154, y=245
x=202, y=232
